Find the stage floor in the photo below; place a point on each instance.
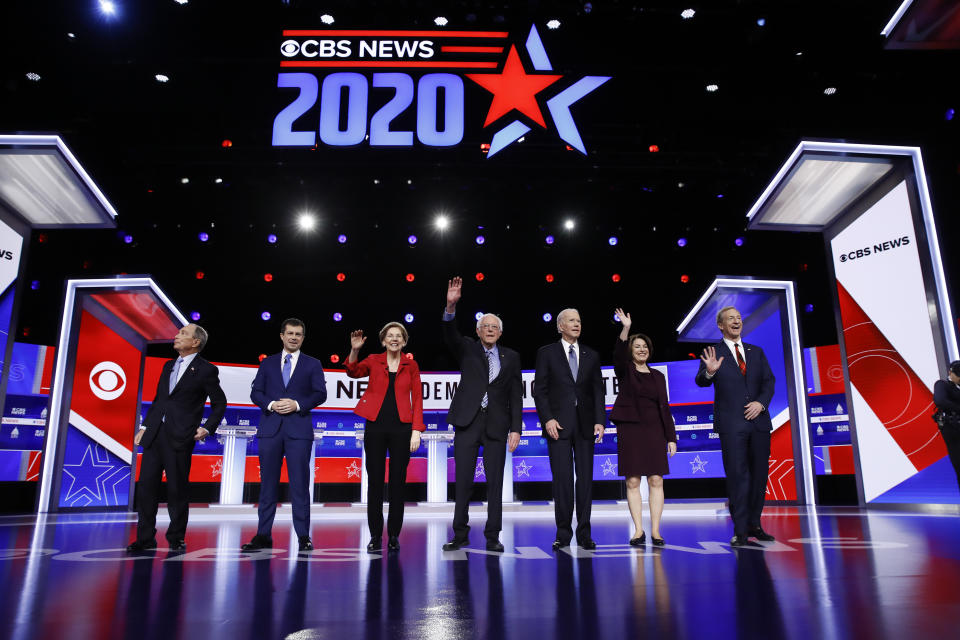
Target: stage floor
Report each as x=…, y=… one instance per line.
x=833, y=573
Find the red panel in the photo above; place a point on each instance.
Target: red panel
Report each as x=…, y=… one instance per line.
x=339, y=470
x=142, y=312
x=830, y=369
x=47, y=374
x=841, y=460
x=152, y=368
x=782, y=479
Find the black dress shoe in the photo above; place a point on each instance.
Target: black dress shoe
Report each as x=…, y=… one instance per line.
x=375, y=545
x=305, y=543
x=639, y=542
x=258, y=542
x=177, y=545
x=141, y=545
x=739, y=541
x=589, y=545
x=393, y=543
x=760, y=534
x=455, y=544
x=657, y=542
x=494, y=545
x=557, y=545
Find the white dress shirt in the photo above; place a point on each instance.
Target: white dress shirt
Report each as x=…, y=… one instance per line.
x=566, y=351
x=293, y=367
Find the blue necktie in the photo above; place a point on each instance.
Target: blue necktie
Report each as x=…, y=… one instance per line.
x=573, y=362
x=491, y=374
x=286, y=369
x=175, y=373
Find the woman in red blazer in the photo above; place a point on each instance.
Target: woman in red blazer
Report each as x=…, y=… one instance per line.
x=393, y=407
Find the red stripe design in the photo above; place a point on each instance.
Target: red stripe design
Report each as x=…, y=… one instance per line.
x=459, y=49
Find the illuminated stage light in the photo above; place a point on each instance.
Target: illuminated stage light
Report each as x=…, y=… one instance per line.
x=686, y=14
x=681, y=242
x=35, y=284
x=484, y=147
x=337, y=317
x=203, y=236
x=548, y=277
x=738, y=242
x=341, y=277
x=808, y=308
x=612, y=241
x=408, y=318
x=478, y=315
x=588, y=7
x=26, y=332
x=713, y=88
x=479, y=276
x=107, y=7
x=200, y=275
x=615, y=277
x=127, y=239
x=568, y=224
x=409, y=181
x=548, y=239
x=440, y=21
x=162, y=78
x=547, y=317
x=33, y=77
x=342, y=239
x=265, y=316
x=719, y=195
x=376, y=181
x=408, y=356
x=71, y=35
x=442, y=222
x=480, y=240
x=553, y=24
x=42, y=238
x=334, y=358
x=616, y=317
x=691, y=355
x=949, y=114
x=218, y=180
x=410, y=277
x=268, y=277
x=306, y=221
x=326, y=18
x=411, y=239
x=684, y=278
x=184, y=180
x=226, y=144
x=761, y=22
x=654, y=148
x=272, y=238
x=181, y=1
x=829, y=91
x=194, y=315
x=521, y=138
x=262, y=357
x=798, y=53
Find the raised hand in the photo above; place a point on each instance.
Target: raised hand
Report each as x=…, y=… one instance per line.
x=710, y=360
x=454, y=291
x=624, y=318
x=356, y=340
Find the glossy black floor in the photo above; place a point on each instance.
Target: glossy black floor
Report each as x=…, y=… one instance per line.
x=833, y=573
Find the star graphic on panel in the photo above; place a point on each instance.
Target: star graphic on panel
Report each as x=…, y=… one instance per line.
x=353, y=469
x=216, y=468
x=480, y=471
x=698, y=465
x=523, y=469
x=609, y=468
x=82, y=478
x=514, y=88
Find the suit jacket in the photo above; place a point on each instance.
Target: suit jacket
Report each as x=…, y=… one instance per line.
x=504, y=393
x=624, y=409
x=307, y=386
x=559, y=397
x=946, y=396
x=181, y=410
x=406, y=388
x=733, y=390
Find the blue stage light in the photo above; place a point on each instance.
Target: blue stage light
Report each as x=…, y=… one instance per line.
x=681, y=242
x=738, y=242
x=808, y=308
x=272, y=238
x=478, y=315
x=127, y=239
x=761, y=22
x=719, y=195
x=337, y=317
x=204, y=236
x=949, y=114
x=107, y=7
x=35, y=285
x=408, y=318
x=194, y=315
x=547, y=317
x=616, y=317
x=411, y=239
x=480, y=240
x=342, y=239
x=612, y=241
x=548, y=239
x=265, y=316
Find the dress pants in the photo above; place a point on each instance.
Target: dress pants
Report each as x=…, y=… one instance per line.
x=272, y=450
x=746, y=456
x=466, y=444
x=160, y=456
x=376, y=444
x=951, y=437
x=564, y=454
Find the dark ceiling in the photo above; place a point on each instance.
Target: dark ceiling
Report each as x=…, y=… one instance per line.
x=139, y=138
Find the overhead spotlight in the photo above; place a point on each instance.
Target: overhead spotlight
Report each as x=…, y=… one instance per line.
x=478, y=315
x=71, y=35
x=681, y=242
x=326, y=18
x=480, y=276
x=588, y=7
x=200, y=275
x=548, y=239
x=548, y=277
x=480, y=240
x=615, y=277
x=808, y=308
x=568, y=224
x=376, y=181
x=798, y=53
x=440, y=21
x=616, y=317
x=203, y=236
x=127, y=239
x=738, y=242
x=410, y=277
x=949, y=114
x=409, y=181
x=307, y=221
x=107, y=7
x=411, y=239
x=162, y=78
x=686, y=14
x=442, y=222
x=272, y=238
x=684, y=278
x=547, y=317
x=829, y=91
x=408, y=318
x=341, y=277
x=712, y=88
x=612, y=241
x=181, y=1
x=268, y=277
x=553, y=24
x=265, y=316
x=521, y=138
x=653, y=148
x=337, y=317
x=342, y=238
x=485, y=147
x=194, y=315
x=227, y=143
x=761, y=22
x=184, y=180
x=34, y=284
x=33, y=77
x=334, y=358
x=262, y=357
x=719, y=195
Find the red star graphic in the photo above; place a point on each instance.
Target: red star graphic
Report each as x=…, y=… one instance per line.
x=514, y=89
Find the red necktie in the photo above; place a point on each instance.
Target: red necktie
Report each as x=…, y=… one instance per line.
x=740, y=361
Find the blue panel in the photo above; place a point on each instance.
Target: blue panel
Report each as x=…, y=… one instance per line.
x=10, y=462
x=937, y=484
x=704, y=326
x=27, y=358
x=6, y=311
x=92, y=476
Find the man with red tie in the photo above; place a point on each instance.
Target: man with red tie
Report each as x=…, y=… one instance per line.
x=743, y=387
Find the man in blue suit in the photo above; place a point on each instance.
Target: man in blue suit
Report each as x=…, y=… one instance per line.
x=287, y=387
x=743, y=387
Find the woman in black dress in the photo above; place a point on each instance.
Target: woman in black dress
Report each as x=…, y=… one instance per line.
x=645, y=429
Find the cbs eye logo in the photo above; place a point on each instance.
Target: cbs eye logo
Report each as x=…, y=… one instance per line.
x=107, y=380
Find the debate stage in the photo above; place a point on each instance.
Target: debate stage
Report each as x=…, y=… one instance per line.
x=833, y=573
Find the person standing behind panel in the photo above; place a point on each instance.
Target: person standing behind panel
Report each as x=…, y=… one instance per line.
x=568, y=391
x=287, y=387
x=743, y=387
x=645, y=429
x=170, y=432
x=487, y=410
x=946, y=396
x=393, y=407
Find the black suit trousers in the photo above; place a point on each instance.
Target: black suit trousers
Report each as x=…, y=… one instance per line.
x=160, y=456
x=565, y=454
x=746, y=456
x=376, y=443
x=466, y=445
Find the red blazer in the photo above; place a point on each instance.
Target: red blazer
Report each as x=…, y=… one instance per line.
x=407, y=386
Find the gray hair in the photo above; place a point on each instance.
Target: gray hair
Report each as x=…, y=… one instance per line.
x=199, y=333
x=499, y=321
x=560, y=316
x=722, y=311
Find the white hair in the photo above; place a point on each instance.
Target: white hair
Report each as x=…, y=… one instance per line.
x=499, y=321
x=560, y=316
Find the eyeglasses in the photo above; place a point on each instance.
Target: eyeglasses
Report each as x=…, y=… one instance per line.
x=489, y=326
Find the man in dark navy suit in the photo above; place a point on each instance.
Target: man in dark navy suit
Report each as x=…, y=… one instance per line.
x=170, y=432
x=743, y=387
x=568, y=391
x=287, y=387
x=487, y=410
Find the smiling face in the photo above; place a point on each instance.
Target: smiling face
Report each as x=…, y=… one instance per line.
x=640, y=350
x=730, y=324
x=568, y=324
x=292, y=338
x=393, y=340
x=488, y=330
